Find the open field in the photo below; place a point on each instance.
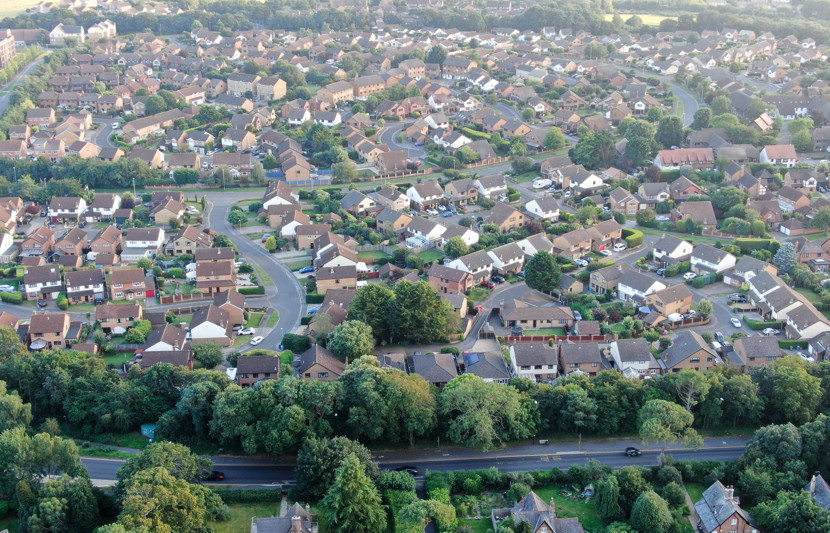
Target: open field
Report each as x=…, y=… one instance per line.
x=12, y=9
x=649, y=20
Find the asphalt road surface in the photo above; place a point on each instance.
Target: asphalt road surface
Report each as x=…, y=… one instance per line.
x=255, y=471
x=5, y=99
x=389, y=137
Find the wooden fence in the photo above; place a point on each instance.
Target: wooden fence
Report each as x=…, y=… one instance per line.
x=556, y=338
x=184, y=298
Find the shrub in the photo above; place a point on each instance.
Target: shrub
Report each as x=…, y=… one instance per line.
x=451, y=349
x=391, y=480
x=253, y=290
x=12, y=297
x=756, y=325
x=176, y=273
x=791, y=345
x=295, y=343
x=314, y=298
x=306, y=320
x=748, y=245
x=63, y=302
x=596, y=265
x=633, y=237
x=249, y=495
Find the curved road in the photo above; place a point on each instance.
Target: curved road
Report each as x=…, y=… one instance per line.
x=389, y=136
x=285, y=295
x=258, y=471
x=690, y=105
x=30, y=68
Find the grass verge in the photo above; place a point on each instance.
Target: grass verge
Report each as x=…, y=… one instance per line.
x=264, y=278
x=272, y=321
x=254, y=320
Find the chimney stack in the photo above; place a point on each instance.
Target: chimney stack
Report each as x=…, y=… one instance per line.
x=296, y=524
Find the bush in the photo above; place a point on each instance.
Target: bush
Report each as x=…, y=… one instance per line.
x=748, y=245
x=12, y=297
x=451, y=349
x=596, y=265
x=633, y=237
x=391, y=480
x=253, y=290
x=249, y=495
x=679, y=268
x=314, y=298
x=176, y=273
x=63, y=302
x=295, y=343
x=791, y=345
x=306, y=320
x=757, y=325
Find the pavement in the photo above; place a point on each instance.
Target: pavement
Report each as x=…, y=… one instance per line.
x=265, y=472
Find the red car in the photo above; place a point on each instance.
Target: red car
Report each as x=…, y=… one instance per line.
x=489, y=284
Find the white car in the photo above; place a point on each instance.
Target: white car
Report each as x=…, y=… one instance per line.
x=620, y=246
x=432, y=212
x=735, y=322
x=6, y=288
x=688, y=276
x=767, y=331
x=247, y=331
x=606, y=253
x=581, y=262
x=256, y=340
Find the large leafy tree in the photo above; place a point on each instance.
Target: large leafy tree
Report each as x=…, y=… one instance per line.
x=30, y=459
x=353, y=502
x=351, y=339
x=667, y=422
x=742, y=400
x=543, y=272
x=785, y=258
x=208, y=353
x=65, y=504
x=608, y=499
x=651, y=513
x=176, y=459
x=594, y=150
x=319, y=459
x=702, y=118
x=160, y=502
x=371, y=305
x=13, y=412
x=456, y=247
x=419, y=314
x=792, y=511
x=482, y=415
x=669, y=131
x=554, y=139
x=728, y=197
x=796, y=394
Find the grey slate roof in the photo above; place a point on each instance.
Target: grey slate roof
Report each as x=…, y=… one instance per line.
x=819, y=491
x=717, y=506
x=489, y=365
x=435, y=368
x=686, y=344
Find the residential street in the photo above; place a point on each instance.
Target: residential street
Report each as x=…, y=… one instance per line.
x=5, y=99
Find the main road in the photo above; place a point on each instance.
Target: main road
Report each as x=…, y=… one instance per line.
x=5, y=100
x=258, y=471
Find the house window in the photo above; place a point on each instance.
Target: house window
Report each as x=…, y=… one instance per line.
x=695, y=359
x=525, y=367
x=119, y=294
x=322, y=374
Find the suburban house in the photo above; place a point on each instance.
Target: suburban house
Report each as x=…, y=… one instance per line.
x=621, y=200
x=357, y=203
x=211, y=324
x=683, y=188
x=168, y=338
x=448, y=280
x=108, y=240
x=188, y=240
x=581, y=358
x=255, y=368
x=117, y=318
x=233, y=303
x=73, y=242
x=318, y=364
x=42, y=282
x=756, y=350
x=515, y=313
x=706, y=259
x=671, y=300
x=633, y=286
x=142, y=242
x=85, y=286
x=779, y=154
x=671, y=249
x=573, y=244
x=425, y=195
x=633, y=358
x=391, y=198
x=720, y=511
x=537, y=362
x=697, y=158
x=688, y=351
x=506, y=218
x=215, y=276
x=66, y=209
x=745, y=269
x=128, y=284
x=491, y=187
x=699, y=212
x=182, y=358
x=542, y=516
x=341, y=277
x=104, y=206
x=545, y=208
x=52, y=331
x=461, y=192
x=40, y=242
x=438, y=369
x=489, y=366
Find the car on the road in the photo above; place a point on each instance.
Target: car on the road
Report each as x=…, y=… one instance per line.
x=735, y=322
x=688, y=276
x=256, y=340
x=6, y=288
x=312, y=310
x=606, y=253
x=115, y=125
x=247, y=331
x=408, y=469
x=767, y=331
x=631, y=451
x=306, y=270
x=215, y=476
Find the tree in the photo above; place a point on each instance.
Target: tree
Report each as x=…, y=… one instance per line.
x=784, y=258
x=481, y=414
x=543, y=272
x=237, y=217
x=345, y=170
x=318, y=461
x=65, y=504
x=351, y=339
x=154, y=104
x=13, y=412
x=437, y=54
x=608, y=499
x=742, y=400
x=467, y=155
x=702, y=118
x=157, y=501
x=353, y=502
x=803, y=141
x=269, y=162
x=721, y=105
x=29, y=459
x=554, y=139
x=144, y=263
x=705, y=307
x=669, y=131
x=175, y=459
x=456, y=247
x=271, y=244
x=795, y=394
x=667, y=422
x=594, y=150
x=821, y=219
x=800, y=124
x=651, y=513
x=728, y=197
x=691, y=387
x=419, y=314
x=208, y=353
x=415, y=516
x=632, y=484
x=792, y=511
x=638, y=150
x=371, y=305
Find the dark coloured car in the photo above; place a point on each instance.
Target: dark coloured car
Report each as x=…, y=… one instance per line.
x=408, y=469
x=215, y=476
x=660, y=271
x=631, y=451
x=497, y=279
x=41, y=303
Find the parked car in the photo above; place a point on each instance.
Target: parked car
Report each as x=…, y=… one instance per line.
x=620, y=246
x=497, y=278
x=735, y=322
x=442, y=208
x=41, y=303
x=767, y=331
x=488, y=284
x=581, y=262
x=6, y=288
x=215, y=476
x=237, y=327
x=265, y=236
x=738, y=298
x=660, y=271
x=719, y=337
x=247, y=331
x=432, y=212
x=313, y=310
x=631, y=451
x=447, y=214
x=688, y=276
x=306, y=270
x=256, y=340
x=606, y=253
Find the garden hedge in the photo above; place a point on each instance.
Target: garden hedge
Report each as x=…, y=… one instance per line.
x=748, y=245
x=790, y=344
x=253, y=290
x=633, y=237
x=314, y=298
x=757, y=325
x=12, y=297
x=249, y=495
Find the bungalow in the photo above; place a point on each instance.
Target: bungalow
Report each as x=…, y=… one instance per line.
x=319, y=364
x=438, y=369
x=515, y=313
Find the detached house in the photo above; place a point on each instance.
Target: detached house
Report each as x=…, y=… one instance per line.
x=52, y=331
x=42, y=282
x=506, y=218
x=85, y=286
x=66, y=210
x=188, y=240
x=689, y=351
x=318, y=364
x=425, y=195
x=720, y=511
x=779, y=154
x=671, y=249
x=536, y=362
x=128, y=284
x=633, y=358
x=117, y=318
x=448, y=280
x=491, y=187
x=707, y=259
x=211, y=324
x=255, y=368
x=635, y=287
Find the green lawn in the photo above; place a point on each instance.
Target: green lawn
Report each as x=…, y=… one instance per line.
x=431, y=256
x=249, y=201
x=241, y=340
x=685, y=236
x=810, y=294
x=102, y=451
x=275, y=317
x=545, y=331
x=10, y=522
x=297, y=265
x=12, y=9
x=482, y=525
x=264, y=278
x=241, y=514
x=184, y=318
x=257, y=235
x=478, y=293
x=254, y=320
x=118, y=360
x=695, y=491
x=568, y=508
x=373, y=255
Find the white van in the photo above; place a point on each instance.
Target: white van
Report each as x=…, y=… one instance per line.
x=620, y=246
